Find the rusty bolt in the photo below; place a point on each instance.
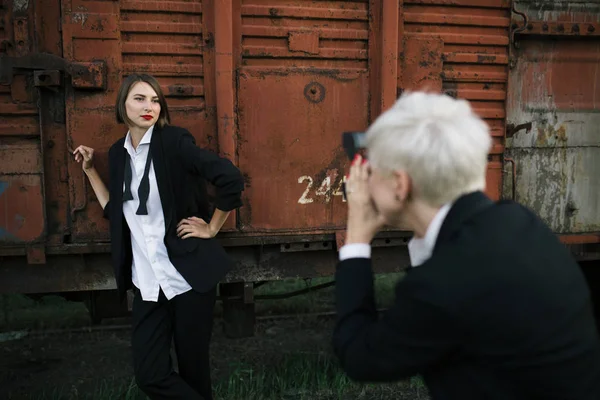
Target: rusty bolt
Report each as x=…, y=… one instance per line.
x=515, y=26
x=529, y=27
x=50, y=144
x=591, y=28
x=561, y=28
x=575, y=28
x=545, y=27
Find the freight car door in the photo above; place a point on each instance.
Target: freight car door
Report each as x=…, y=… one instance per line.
x=303, y=80
x=169, y=40
x=553, y=113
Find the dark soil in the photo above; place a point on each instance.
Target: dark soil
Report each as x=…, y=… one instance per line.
x=75, y=365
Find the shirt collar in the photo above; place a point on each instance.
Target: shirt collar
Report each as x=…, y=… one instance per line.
x=145, y=140
x=420, y=249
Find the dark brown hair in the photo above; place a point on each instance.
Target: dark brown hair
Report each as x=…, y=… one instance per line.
x=120, y=110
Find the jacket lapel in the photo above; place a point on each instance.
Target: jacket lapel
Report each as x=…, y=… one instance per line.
x=116, y=196
x=162, y=175
x=463, y=209
x=116, y=201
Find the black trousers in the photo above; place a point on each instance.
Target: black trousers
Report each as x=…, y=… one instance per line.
x=186, y=320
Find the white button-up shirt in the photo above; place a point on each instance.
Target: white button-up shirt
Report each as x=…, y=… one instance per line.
x=151, y=269
x=419, y=249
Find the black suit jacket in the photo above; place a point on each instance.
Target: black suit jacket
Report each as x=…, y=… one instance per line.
x=500, y=311
x=181, y=168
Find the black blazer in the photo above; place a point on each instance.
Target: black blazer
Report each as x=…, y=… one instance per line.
x=180, y=167
x=500, y=311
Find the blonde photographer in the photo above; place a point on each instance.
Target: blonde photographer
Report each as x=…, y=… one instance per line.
x=494, y=306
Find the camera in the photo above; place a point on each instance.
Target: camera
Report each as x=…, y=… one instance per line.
x=353, y=143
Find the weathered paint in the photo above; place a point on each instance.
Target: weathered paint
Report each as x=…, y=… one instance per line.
x=461, y=48
x=554, y=85
x=22, y=205
x=271, y=85
x=21, y=209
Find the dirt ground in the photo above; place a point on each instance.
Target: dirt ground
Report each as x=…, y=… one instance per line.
x=78, y=365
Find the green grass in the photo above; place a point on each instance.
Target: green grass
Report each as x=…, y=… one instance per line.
x=273, y=371
x=51, y=312
x=321, y=300
x=297, y=377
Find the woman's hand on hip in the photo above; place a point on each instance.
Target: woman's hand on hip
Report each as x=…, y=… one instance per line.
x=194, y=227
x=85, y=155
x=363, y=219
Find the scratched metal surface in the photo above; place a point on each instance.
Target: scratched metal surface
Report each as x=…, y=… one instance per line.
x=21, y=165
x=460, y=47
x=555, y=86
x=291, y=76
x=272, y=84
x=303, y=80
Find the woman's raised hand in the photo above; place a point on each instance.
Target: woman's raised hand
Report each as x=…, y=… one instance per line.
x=85, y=154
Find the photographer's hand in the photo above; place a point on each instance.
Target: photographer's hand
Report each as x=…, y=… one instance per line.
x=363, y=219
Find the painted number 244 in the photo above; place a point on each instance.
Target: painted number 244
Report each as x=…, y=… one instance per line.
x=330, y=186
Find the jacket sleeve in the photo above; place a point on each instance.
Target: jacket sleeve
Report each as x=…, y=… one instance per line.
x=111, y=178
x=219, y=171
x=106, y=211
x=411, y=336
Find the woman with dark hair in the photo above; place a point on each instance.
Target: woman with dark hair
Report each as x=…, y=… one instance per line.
x=162, y=235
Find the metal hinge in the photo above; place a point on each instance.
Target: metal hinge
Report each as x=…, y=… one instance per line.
x=511, y=129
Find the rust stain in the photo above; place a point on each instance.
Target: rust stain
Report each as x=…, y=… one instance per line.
x=247, y=180
x=481, y=58
x=549, y=135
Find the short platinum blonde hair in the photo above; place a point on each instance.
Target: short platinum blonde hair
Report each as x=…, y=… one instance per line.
x=437, y=140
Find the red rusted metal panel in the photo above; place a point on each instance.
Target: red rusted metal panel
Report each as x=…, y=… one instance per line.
x=21, y=196
x=21, y=209
x=292, y=153
x=421, y=65
x=22, y=205
x=294, y=100
x=90, y=33
x=461, y=48
x=225, y=86
x=554, y=90
x=271, y=84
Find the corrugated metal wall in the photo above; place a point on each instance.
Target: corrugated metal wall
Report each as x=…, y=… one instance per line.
x=167, y=40
x=466, y=44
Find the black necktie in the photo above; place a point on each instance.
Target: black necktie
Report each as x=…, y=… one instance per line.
x=143, y=190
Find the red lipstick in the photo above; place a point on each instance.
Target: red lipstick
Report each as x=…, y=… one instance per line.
x=147, y=117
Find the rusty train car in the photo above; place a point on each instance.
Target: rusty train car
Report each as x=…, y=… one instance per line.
x=271, y=84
